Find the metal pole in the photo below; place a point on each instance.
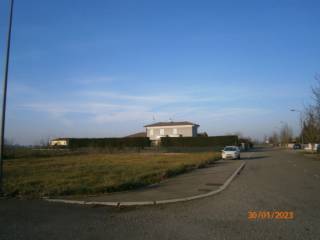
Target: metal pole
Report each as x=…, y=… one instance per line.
x=4, y=94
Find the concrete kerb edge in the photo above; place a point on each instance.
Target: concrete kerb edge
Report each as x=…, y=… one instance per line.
x=146, y=203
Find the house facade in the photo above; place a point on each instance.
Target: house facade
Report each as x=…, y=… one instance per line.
x=59, y=142
x=171, y=129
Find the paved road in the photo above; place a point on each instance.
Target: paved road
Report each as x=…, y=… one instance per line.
x=272, y=180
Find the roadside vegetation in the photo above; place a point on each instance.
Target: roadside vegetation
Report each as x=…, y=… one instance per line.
x=311, y=118
x=96, y=172
x=309, y=124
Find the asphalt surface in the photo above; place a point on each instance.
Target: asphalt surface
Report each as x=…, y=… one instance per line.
x=272, y=180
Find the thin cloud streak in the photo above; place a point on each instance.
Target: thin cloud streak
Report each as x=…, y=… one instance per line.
x=100, y=113
x=92, y=80
x=177, y=97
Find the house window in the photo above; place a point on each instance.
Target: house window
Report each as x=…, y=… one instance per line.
x=151, y=132
x=175, y=131
x=161, y=131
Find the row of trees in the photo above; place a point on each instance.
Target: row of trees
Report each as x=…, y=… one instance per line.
x=311, y=118
x=284, y=136
x=310, y=122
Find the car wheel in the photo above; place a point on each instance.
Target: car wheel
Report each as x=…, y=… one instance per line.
x=239, y=157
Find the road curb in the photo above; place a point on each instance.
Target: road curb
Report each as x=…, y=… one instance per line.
x=146, y=203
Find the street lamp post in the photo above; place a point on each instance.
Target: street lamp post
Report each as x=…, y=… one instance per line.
x=301, y=125
x=4, y=94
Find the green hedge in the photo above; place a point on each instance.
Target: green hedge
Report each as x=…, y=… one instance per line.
x=118, y=143
x=199, y=141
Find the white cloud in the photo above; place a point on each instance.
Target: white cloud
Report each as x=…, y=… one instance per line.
x=80, y=107
x=101, y=113
x=169, y=97
x=92, y=80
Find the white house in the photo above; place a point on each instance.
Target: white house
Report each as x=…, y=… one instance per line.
x=171, y=129
x=59, y=142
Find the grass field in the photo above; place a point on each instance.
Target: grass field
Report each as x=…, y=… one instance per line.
x=95, y=173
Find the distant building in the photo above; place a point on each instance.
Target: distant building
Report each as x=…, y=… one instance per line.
x=139, y=134
x=171, y=129
x=59, y=142
x=154, y=132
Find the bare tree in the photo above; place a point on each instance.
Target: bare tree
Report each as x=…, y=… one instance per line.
x=286, y=134
x=274, y=139
x=311, y=120
x=311, y=126
x=316, y=92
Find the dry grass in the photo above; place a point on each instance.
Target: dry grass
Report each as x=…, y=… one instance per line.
x=95, y=173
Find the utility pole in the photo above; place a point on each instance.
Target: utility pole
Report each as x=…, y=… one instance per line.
x=4, y=94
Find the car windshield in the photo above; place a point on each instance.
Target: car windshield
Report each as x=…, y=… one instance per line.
x=229, y=149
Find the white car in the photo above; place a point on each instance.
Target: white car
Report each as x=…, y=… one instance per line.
x=231, y=152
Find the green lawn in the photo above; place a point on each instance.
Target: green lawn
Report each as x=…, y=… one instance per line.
x=95, y=173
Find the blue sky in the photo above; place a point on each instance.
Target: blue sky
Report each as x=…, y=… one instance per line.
x=105, y=68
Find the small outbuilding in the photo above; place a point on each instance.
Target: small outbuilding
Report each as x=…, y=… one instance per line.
x=59, y=142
